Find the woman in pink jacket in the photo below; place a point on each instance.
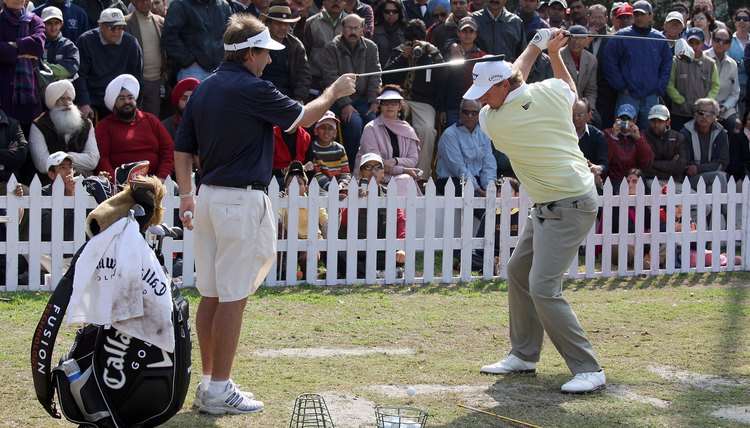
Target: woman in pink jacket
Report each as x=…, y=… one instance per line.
x=393, y=139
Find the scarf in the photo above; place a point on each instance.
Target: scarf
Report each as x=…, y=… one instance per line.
x=399, y=127
x=24, y=83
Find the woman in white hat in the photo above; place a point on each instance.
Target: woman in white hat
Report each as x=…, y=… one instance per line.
x=393, y=139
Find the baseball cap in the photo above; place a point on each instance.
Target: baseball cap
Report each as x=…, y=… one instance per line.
x=295, y=168
x=627, y=110
x=623, y=10
x=695, y=33
x=642, y=6
x=578, y=29
x=659, y=111
x=369, y=157
x=260, y=40
x=112, y=16
x=57, y=158
x=674, y=15
x=328, y=117
x=467, y=21
x=487, y=74
x=561, y=2
x=616, y=5
x=50, y=12
x=542, y=4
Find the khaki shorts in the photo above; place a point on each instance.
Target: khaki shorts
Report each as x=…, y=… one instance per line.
x=235, y=241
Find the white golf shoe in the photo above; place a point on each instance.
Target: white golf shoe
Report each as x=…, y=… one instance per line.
x=509, y=364
x=583, y=383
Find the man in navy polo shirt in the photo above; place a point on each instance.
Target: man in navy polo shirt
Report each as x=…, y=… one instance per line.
x=229, y=123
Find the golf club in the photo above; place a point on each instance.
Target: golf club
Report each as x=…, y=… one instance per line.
x=617, y=36
x=451, y=63
x=499, y=417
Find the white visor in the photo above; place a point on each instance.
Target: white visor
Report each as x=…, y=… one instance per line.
x=262, y=40
x=390, y=95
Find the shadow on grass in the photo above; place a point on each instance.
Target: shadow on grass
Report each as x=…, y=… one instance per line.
x=660, y=281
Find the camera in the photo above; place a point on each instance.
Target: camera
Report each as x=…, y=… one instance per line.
x=417, y=51
x=624, y=124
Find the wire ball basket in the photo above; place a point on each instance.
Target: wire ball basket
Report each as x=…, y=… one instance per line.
x=400, y=417
x=310, y=411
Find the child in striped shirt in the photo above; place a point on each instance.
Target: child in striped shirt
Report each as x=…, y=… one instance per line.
x=329, y=157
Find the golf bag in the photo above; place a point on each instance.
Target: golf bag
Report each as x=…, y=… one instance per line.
x=109, y=379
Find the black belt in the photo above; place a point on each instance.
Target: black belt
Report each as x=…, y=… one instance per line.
x=252, y=186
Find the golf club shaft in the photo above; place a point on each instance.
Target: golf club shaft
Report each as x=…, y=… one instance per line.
x=438, y=65
x=499, y=416
x=617, y=36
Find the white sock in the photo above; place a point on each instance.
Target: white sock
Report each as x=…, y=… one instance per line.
x=205, y=379
x=216, y=387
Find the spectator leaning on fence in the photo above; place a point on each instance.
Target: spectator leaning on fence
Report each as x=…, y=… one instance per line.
x=531, y=123
x=63, y=128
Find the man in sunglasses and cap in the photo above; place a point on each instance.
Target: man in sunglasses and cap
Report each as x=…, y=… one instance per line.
x=229, y=122
x=531, y=124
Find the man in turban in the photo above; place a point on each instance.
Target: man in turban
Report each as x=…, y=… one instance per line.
x=62, y=128
x=180, y=96
x=131, y=135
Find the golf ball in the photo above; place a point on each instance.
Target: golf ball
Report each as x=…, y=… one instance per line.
x=410, y=391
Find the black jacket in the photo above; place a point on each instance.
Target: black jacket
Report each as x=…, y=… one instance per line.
x=193, y=32
x=13, y=147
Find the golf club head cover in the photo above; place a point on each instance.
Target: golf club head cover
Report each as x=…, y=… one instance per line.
x=541, y=38
x=148, y=192
x=108, y=212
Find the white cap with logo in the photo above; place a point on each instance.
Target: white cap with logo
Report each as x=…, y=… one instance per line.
x=51, y=12
x=486, y=74
x=658, y=111
x=57, y=158
x=369, y=157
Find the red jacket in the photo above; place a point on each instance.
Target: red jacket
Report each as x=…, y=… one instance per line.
x=143, y=138
x=281, y=156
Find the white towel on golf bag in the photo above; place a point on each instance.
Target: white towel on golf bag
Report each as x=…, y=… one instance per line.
x=119, y=282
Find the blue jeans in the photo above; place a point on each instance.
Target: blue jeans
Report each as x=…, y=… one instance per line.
x=642, y=106
x=195, y=71
x=351, y=131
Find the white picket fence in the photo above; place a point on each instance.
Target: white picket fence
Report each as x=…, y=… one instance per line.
x=435, y=227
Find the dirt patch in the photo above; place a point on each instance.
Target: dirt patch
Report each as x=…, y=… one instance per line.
x=329, y=352
x=734, y=413
x=695, y=380
x=626, y=393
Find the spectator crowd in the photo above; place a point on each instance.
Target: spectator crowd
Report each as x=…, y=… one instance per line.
x=100, y=83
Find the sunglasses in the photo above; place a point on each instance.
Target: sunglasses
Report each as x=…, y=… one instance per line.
x=470, y=112
x=389, y=102
x=705, y=113
x=722, y=41
x=742, y=18
x=390, y=11
x=440, y=15
x=371, y=167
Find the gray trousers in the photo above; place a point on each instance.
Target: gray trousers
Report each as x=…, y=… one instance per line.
x=151, y=96
x=546, y=248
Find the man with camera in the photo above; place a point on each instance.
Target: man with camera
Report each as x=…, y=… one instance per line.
x=626, y=147
x=420, y=86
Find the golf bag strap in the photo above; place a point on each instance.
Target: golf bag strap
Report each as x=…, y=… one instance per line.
x=45, y=334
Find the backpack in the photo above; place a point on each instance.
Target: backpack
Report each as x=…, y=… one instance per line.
x=107, y=378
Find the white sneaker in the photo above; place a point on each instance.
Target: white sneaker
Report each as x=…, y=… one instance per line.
x=230, y=401
x=583, y=383
x=202, y=390
x=509, y=364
